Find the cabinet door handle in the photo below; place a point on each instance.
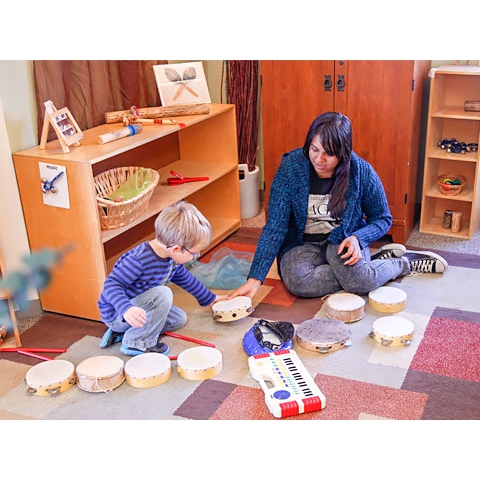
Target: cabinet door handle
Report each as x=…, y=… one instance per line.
x=341, y=83
x=327, y=83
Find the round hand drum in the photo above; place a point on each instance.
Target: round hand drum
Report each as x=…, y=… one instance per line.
x=387, y=299
x=148, y=370
x=199, y=363
x=323, y=335
x=102, y=373
x=234, y=309
x=50, y=378
x=346, y=307
x=392, y=331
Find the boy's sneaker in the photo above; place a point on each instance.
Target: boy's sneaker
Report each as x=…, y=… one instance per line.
x=390, y=250
x=110, y=337
x=425, y=262
x=158, y=348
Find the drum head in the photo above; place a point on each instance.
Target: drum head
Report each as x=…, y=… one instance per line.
x=387, y=299
x=100, y=366
x=346, y=307
x=147, y=370
x=199, y=363
x=393, y=327
x=47, y=373
x=323, y=334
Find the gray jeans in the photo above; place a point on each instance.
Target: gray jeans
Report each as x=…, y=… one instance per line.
x=162, y=316
x=315, y=270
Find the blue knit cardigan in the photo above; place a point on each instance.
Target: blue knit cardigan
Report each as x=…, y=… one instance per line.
x=366, y=215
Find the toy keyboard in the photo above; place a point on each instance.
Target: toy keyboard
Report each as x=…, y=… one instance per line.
x=293, y=390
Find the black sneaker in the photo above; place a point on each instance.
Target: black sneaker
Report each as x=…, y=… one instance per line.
x=390, y=250
x=425, y=262
x=158, y=348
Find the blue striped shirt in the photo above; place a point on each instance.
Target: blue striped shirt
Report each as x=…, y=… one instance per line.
x=141, y=269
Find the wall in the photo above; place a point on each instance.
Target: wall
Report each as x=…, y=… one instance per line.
x=18, y=121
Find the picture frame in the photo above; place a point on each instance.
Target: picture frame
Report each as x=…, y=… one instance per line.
x=65, y=126
x=182, y=83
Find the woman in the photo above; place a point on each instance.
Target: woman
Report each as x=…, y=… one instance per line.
x=326, y=206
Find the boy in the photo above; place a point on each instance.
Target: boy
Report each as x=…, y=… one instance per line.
x=135, y=304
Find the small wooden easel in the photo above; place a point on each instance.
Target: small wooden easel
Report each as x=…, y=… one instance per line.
x=65, y=126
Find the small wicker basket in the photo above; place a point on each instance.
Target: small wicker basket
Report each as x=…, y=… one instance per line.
x=118, y=214
x=450, y=189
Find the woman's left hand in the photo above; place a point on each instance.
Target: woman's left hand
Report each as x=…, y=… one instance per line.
x=353, y=251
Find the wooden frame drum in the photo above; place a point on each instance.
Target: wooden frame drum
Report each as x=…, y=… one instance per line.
x=392, y=331
x=199, y=363
x=346, y=307
x=387, y=299
x=50, y=378
x=323, y=335
x=234, y=309
x=102, y=373
x=148, y=370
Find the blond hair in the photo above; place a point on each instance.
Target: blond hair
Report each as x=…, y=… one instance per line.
x=183, y=224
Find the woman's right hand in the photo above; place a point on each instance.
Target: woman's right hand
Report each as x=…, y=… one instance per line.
x=248, y=289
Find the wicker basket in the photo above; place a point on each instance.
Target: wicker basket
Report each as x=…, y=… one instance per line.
x=118, y=214
x=448, y=189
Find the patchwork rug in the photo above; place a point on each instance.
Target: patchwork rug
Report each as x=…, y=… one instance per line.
x=436, y=377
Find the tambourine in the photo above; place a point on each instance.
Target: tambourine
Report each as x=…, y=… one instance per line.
x=50, y=378
x=387, y=299
x=234, y=309
x=392, y=331
x=102, y=373
x=323, y=335
x=147, y=370
x=346, y=307
x=199, y=363
x=266, y=337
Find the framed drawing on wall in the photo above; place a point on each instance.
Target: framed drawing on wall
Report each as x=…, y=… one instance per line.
x=181, y=83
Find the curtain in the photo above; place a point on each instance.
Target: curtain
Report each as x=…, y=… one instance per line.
x=242, y=87
x=89, y=88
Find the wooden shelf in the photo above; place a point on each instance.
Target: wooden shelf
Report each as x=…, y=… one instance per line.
x=450, y=89
x=206, y=146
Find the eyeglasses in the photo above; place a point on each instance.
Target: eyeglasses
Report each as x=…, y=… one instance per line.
x=195, y=256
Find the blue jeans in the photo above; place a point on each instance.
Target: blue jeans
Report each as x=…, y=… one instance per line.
x=162, y=316
x=315, y=270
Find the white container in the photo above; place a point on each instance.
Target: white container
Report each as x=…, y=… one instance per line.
x=249, y=191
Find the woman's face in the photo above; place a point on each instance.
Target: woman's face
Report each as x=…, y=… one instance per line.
x=323, y=164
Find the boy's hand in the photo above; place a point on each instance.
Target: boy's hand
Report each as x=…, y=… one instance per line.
x=217, y=299
x=136, y=317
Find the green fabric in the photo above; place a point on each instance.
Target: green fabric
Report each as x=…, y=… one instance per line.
x=133, y=186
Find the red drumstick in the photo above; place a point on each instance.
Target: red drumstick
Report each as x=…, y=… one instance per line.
x=45, y=350
x=35, y=355
x=189, y=339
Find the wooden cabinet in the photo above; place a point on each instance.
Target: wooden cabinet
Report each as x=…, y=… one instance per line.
x=451, y=87
x=207, y=146
x=383, y=99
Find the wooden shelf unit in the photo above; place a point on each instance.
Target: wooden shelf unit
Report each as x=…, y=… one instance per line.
x=207, y=146
x=451, y=87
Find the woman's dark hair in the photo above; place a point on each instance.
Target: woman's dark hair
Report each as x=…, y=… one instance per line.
x=335, y=134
